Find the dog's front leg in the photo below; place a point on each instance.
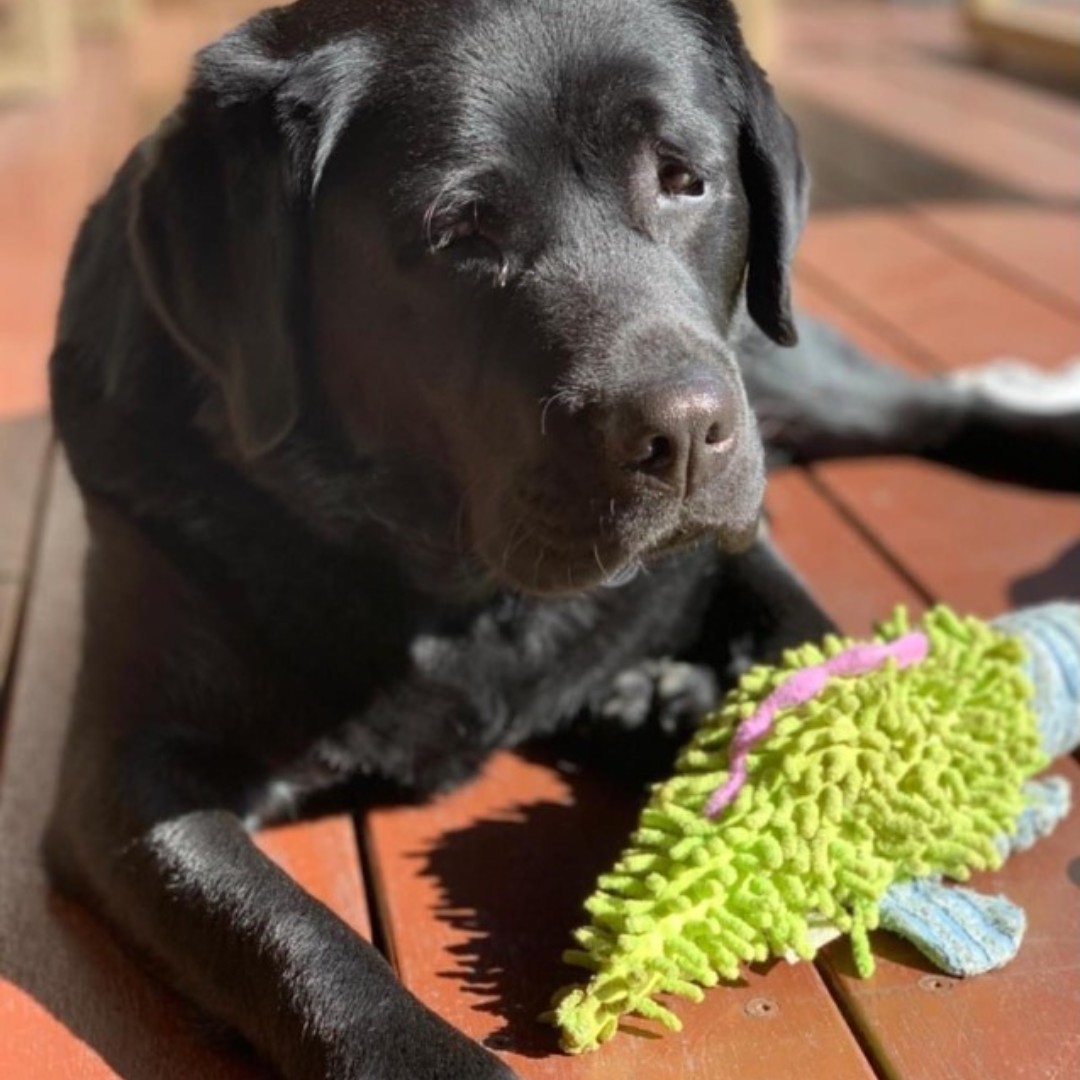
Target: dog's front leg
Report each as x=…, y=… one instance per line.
x=178, y=735
x=238, y=937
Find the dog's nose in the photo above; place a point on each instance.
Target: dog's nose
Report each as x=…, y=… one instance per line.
x=679, y=433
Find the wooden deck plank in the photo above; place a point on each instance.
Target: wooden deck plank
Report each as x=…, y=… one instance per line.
x=930, y=81
x=830, y=31
x=938, y=302
x=964, y=135
x=986, y=546
x=479, y=893
x=850, y=579
x=24, y=451
x=1031, y=246
x=54, y=158
x=855, y=164
x=1036, y=247
x=1019, y=1023
x=80, y=1008
x=24, y=445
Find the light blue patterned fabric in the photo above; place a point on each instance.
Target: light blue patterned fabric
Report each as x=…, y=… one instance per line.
x=1049, y=802
x=961, y=931
x=1051, y=633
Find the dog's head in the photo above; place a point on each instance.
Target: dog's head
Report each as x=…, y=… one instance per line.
x=512, y=243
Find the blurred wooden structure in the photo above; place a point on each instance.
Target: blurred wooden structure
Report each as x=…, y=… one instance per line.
x=1043, y=35
x=946, y=231
x=37, y=39
x=758, y=18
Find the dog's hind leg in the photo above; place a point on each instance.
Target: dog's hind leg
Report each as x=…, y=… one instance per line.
x=827, y=399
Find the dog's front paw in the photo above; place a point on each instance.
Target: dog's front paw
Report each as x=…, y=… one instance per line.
x=636, y=724
x=684, y=694
x=670, y=694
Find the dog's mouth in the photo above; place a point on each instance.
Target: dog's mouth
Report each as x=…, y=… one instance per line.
x=555, y=529
x=538, y=564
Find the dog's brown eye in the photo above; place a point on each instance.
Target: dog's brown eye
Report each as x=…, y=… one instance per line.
x=471, y=239
x=677, y=180
x=472, y=230
x=456, y=231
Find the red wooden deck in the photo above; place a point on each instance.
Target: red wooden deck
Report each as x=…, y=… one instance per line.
x=947, y=232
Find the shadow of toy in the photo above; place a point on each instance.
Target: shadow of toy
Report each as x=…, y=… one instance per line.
x=1060, y=580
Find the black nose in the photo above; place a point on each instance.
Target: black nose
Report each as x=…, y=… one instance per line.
x=679, y=433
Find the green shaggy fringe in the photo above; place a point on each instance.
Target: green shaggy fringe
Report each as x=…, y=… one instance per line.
x=884, y=777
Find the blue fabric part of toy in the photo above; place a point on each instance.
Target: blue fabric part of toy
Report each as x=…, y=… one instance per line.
x=1051, y=633
x=960, y=931
x=1049, y=803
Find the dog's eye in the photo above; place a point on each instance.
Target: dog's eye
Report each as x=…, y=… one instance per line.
x=679, y=181
x=453, y=232
x=471, y=231
x=448, y=233
x=471, y=239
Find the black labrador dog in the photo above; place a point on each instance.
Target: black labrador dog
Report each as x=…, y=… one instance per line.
x=410, y=372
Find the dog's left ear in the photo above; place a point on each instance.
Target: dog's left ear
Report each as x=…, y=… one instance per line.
x=220, y=207
x=777, y=187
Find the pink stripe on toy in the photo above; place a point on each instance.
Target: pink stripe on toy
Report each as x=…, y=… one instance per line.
x=804, y=686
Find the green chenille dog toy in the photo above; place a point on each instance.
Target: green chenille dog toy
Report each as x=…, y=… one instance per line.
x=831, y=795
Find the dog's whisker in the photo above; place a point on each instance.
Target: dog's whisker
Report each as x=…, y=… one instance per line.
x=511, y=546
x=600, y=562
x=461, y=515
x=530, y=534
x=546, y=403
x=539, y=562
x=459, y=523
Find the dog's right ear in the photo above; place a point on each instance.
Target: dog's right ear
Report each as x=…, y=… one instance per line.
x=220, y=206
x=776, y=181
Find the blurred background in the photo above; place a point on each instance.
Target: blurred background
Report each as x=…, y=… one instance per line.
x=958, y=103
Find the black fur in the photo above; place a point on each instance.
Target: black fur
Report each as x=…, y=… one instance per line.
x=339, y=360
